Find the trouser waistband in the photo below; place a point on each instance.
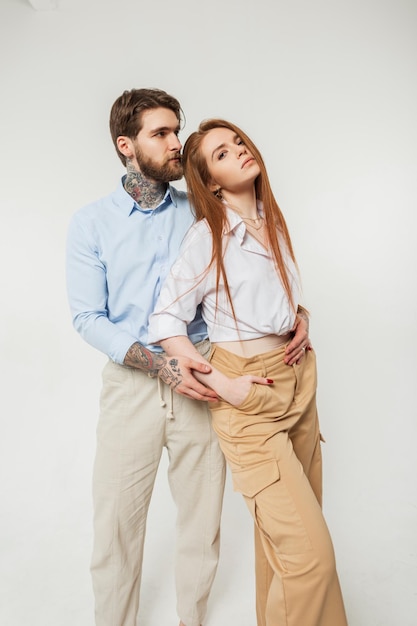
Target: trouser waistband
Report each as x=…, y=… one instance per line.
x=253, y=347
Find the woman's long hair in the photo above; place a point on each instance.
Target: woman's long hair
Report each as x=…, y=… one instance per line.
x=207, y=206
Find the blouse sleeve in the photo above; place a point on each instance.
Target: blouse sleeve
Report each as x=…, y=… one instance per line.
x=184, y=287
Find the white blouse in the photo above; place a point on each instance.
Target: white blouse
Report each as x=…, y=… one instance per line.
x=259, y=299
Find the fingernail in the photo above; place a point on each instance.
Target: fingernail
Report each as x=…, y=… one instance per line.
x=269, y=381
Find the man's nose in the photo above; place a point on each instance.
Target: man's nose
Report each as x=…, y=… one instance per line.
x=175, y=143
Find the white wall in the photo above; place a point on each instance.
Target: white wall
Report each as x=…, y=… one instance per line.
x=328, y=91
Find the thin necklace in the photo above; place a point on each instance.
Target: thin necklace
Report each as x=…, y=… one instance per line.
x=247, y=220
x=254, y=219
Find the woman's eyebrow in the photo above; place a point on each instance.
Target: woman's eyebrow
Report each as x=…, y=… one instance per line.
x=222, y=145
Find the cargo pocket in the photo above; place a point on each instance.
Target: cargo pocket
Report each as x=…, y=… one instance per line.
x=251, y=480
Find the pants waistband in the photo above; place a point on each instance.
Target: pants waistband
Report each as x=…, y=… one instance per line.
x=254, y=347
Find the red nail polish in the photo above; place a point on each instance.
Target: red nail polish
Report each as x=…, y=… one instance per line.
x=269, y=381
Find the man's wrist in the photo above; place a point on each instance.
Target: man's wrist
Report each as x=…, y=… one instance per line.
x=141, y=358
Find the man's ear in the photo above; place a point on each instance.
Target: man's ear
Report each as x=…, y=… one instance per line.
x=125, y=146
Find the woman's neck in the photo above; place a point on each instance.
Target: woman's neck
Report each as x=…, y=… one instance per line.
x=243, y=203
x=147, y=193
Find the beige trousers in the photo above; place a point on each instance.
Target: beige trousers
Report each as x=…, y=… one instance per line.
x=139, y=416
x=272, y=445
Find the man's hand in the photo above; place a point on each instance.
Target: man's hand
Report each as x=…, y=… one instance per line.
x=300, y=342
x=176, y=372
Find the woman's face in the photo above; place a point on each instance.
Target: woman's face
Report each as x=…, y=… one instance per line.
x=231, y=166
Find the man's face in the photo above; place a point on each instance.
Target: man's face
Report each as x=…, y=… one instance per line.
x=157, y=147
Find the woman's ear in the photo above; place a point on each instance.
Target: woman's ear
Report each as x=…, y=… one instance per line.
x=125, y=146
x=213, y=186
x=217, y=190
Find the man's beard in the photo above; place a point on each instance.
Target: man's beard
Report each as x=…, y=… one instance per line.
x=170, y=170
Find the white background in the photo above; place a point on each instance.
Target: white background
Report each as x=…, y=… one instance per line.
x=328, y=91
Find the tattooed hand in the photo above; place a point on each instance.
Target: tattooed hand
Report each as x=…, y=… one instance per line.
x=170, y=372
x=175, y=371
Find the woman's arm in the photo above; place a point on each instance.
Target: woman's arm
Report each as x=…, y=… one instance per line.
x=233, y=390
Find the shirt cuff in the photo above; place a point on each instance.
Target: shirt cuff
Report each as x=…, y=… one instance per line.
x=120, y=346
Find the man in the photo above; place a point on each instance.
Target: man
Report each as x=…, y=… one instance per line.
x=119, y=252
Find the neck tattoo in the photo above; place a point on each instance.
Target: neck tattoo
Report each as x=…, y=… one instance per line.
x=147, y=193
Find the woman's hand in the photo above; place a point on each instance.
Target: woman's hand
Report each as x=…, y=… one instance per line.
x=300, y=342
x=237, y=389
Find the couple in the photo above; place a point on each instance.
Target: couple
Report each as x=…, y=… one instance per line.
x=235, y=281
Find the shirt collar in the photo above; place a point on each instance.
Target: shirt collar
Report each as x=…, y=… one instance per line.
x=128, y=205
x=235, y=223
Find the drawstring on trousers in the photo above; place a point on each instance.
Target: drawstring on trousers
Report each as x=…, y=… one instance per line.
x=204, y=348
x=170, y=413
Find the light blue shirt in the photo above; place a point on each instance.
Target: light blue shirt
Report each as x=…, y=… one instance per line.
x=118, y=255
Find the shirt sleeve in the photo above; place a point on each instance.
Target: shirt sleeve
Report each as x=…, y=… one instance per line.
x=87, y=294
x=184, y=287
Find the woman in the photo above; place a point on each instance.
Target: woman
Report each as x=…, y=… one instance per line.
x=238, y=262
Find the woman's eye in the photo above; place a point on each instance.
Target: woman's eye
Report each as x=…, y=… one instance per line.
x=221, y=155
